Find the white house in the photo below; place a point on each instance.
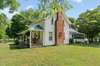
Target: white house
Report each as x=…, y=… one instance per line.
x=51, y=31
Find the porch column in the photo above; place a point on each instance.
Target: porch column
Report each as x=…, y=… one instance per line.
x=30, y=39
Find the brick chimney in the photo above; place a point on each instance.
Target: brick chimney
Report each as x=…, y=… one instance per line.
x=59, y=29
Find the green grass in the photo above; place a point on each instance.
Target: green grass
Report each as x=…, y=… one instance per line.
x=50, y=56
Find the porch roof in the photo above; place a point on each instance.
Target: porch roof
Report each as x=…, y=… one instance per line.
x=74, y=31
x=34, y=27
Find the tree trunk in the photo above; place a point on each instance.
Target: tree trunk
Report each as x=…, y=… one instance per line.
x=90, y=40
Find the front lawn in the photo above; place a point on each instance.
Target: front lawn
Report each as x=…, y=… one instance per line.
x=50, y=56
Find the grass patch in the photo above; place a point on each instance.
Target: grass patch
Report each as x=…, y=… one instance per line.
x=95, y=45
x=66, y=55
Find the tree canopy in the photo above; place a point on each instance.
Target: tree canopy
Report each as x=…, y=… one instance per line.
x=3, y=25
x=13, y=4
x=89, y=23
x=50, y=7
x=21, y=22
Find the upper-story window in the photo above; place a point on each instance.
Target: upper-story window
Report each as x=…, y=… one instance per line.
x=52, y=20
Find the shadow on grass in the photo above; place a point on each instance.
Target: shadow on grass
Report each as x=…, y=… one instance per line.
x=94, y=45
x=18, y=46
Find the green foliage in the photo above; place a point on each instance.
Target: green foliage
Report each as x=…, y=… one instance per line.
x=21, y=22
x=89, y=23
x=73, y=22
x=3, y=25
x=33, y=16
x=51, y=7
x=18, y=24
x=13, y=4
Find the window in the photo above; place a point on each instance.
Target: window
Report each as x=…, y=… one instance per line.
x=52, y=20
x=50, y=36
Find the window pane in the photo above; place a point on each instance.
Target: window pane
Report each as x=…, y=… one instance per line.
x=50, y=36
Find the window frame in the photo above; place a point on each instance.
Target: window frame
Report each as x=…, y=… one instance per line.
x=50, y=36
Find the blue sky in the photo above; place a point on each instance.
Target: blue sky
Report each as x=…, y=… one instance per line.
x=79, y=6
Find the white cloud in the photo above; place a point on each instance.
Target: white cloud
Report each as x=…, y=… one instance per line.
x=30, y=6
x=77, y=1
x=92, y=9
x=6, y=12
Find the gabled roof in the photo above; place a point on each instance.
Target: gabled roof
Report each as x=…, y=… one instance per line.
x=36, y=27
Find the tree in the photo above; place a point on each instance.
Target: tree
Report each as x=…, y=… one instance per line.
x=3, y=25
x=31, y=15
x=73, y=22
x=13, y=4
x=89, y=23
x=51, y=7
x=21, y=21
x=17, y=25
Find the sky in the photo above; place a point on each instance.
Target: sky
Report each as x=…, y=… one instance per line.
x=79, y=6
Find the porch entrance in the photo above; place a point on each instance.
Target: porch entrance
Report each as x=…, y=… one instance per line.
x=36, y=38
